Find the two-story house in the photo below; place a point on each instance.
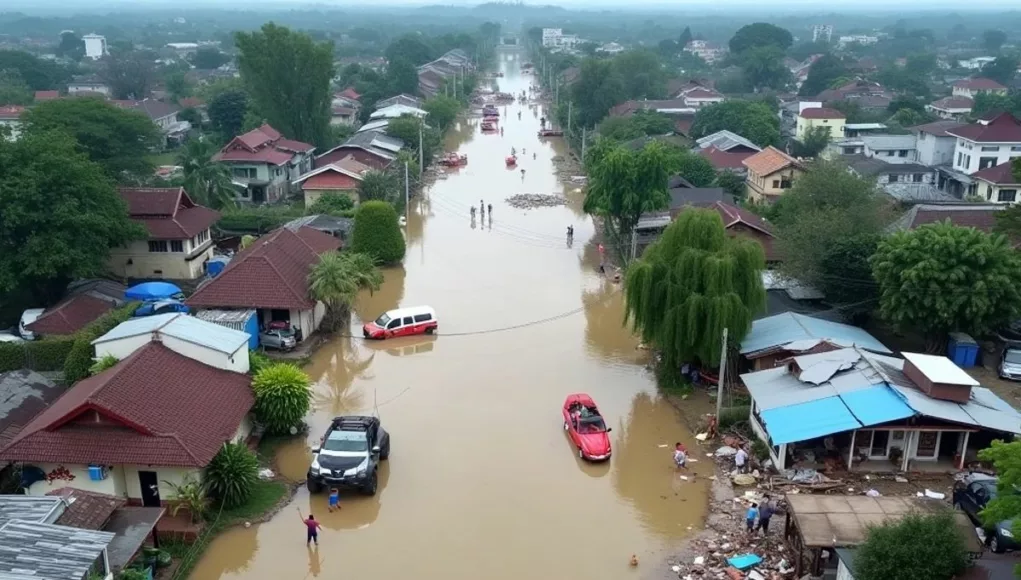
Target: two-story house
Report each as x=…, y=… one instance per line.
x=998, y=184
x=988, y=142
x=178, y=243
x=163, y=115
x=971, y=88
x=770, y=173
x=264, y=164
x=812, y=117
x=952, y=107
x=345, y=107
x=933, y=144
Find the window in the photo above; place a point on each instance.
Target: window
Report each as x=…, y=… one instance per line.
x=176, y=246
x=244, y=172
x=423, y=317
x=408, y=321
x=1015, y=148
x=902, y=153
x=892, y=178
x=917, y=177
x=393, y=324
x=776, y=184
x=850, y=150
x=201, y=237
x=990, y=148
x=1007, y=195
x=960, y=158
x=157, y=245
x=785, y=183
x=984, y=162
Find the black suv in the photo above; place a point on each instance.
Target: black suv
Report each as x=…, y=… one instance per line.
x=349, y=455
x=971, y=495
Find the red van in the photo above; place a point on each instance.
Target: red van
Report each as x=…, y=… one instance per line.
x=402, y=322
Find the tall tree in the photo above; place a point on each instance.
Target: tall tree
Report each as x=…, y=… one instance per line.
x=993, y=40
x=71, y=46
x=941, y=278
x=1003, y=69
x=752, y=120
x=760, y=34
x=401, y=77
x=821, y=75
x=117, y=139
x=227, y=113
x=816, y=139
x=207, y=181
x=208, y=58
x=13, y=90
x=38, y=74
x=917, y=546
x=694, y=168
x=597, y=89
x=130, y=74
x=177, y=86
x=763, y=67
x=61, y=214
x=624, y=184
x=382, y=186
x=336, y=279
x=288, y=79
x=641, y=73
x=442, y=111
x=407, y=128
x=685, y=37
x=412, y=48
x=691, y=284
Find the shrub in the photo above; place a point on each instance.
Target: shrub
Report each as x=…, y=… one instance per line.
x=282, y=396
x=79, y=361
x=232, y=474
x=733, y=416
x=257, y=361
x=257, y=220
x=188, y=495
x=103, y=363
x=377, y=233
x=918, y=546
x=12, y=356
x=49, y=353
x=333, y=204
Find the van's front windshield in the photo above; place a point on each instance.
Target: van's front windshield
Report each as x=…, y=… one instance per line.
x=383, y=320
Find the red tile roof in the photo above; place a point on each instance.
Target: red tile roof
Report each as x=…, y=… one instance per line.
x=191, y=102
x=156, y=407
x=168, y=212
x=11, y=112
x=329, y=180
x=46, y=95
x=938, y=128
x=821, y=113
x=350, y=93
x=953, y=103
x=702, y=94
x=769, y=161
x=262, y=145
x=1002, y=174
x=271, y=273
x=725, y=159
x=86, y=510
x=1004, y=128
x=71, y=315
x=978, y=84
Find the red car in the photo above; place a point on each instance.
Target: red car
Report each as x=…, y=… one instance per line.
x=402, y=322
x=586, y=428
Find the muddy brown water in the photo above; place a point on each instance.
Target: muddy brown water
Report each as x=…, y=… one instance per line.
x=482, y=481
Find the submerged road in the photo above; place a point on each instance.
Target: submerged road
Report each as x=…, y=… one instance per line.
x=482, y=481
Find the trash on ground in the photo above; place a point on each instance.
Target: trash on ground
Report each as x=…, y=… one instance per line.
x=701, y=436
x=266, y=473
x=934, y=494
x=743, y=479
x=534, y=200
x=744, y=561
x=873, y=493
x=726, y=451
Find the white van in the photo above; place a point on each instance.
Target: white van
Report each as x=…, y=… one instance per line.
x=28, y=317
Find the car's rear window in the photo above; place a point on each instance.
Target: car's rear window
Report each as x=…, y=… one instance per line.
x=423, y=317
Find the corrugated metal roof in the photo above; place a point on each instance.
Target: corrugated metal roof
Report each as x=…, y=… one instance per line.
x=788, y=327
x=875, y=405
x=775, y=388
x=241, y=316
x=48, y=552
x=808, y=420
x=31, y=508
x=947, y=410
x=183, y=327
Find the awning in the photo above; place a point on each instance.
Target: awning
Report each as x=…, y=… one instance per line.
x=132, y=525
x=875, y=405
x=808, y=420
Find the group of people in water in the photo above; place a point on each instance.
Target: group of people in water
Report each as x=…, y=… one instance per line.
x=482, y=210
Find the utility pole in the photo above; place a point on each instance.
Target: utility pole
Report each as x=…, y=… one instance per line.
x=583, y=135
x=569, y=107
x=723, y=374
x=407, y=195
x=421, y=166
x=557, y=93
x=634, y=243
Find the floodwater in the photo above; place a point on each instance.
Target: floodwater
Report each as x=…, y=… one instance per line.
x=482, y=481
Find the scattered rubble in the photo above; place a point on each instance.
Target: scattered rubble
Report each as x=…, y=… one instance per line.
x=534, y=200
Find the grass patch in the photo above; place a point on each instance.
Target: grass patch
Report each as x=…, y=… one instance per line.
x=165, y=158
x=265, y=496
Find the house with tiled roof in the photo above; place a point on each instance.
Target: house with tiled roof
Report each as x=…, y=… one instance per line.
x=156, y=417
x=342, y=177
x=770, y=173
x=263, y=164
x=271, y=277
x=721, y=160
x=998, y=184
x=345, y=107
x=953, y=107
x=84, y=302
x=973, y=87
x=372, y=148
x=812, y=117
x=991, y=140
x=42, y=96
x=737, y=221
x=981, y=216
x=178, y=243
x=933, y=144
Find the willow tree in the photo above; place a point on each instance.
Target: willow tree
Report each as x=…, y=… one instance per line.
x=691, y=284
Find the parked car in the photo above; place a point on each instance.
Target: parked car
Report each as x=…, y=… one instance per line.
x=161, y=307
x=278, y=338
x=28, y=317
x=6, y=336
x=971, y=495
x=349, y=455
x=402, y=322
x=586, y=427
x=1010, y=364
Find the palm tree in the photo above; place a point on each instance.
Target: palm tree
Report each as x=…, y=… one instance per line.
x=338, y=277
x=382, y=186
x=208, y=181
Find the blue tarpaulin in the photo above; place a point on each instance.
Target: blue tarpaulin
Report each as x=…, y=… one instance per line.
x=808, y=420
x=152, y=291
x=877, y=404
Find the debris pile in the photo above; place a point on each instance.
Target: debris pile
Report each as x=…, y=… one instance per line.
x=534, y=200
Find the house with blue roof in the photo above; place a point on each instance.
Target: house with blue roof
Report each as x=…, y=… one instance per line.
x=873, y=412
x=779, y=337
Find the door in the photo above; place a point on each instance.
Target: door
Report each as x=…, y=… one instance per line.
x=393, y=327
x=407, y=326
x=149, y=482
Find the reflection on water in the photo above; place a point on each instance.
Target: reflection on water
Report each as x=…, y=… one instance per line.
x=482, y=482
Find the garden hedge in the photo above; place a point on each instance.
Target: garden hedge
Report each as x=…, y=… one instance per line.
x=377, y=233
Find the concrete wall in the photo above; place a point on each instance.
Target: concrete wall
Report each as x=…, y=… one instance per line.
x=836, y=127
x=968, y=155
x=185, y=265
x=992, y=192
x=933, y=150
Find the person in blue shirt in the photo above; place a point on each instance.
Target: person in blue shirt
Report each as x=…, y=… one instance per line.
x=765, y=513
x=749, y=518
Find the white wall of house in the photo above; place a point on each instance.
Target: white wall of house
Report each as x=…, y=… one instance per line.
x=891, y=155
x=182, y=260
x=947, y=113
x=1006, y=194
x=123, y=347
x=926, y=177
x=236, y=361
x=970, y=156
x=73, y=88
x=843, y=573
x=174, y=475
x=933, y=150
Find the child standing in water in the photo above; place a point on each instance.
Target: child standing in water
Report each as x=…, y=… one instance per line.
x=334, y=499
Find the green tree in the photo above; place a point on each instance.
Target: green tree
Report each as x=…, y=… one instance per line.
x=79, y=362
x=227, y=113
x=377, y=233
x=130, y=74
x=13, y=90
x=753, y=120
x=693, y=167
x=760, y=34
x=337, y=278
x=845, y=273
x=816, y=139
x=597, y=89
x=1002, y=70
x=624, y=184
x=412, y=48
x=208, y=182
x=71, y=46
x=1006, y=505
x=208, y=58
x=381, y=186
x=918, y=546
x=332, y=204
x=117, y=139
x=821, y=75
x=685, y=37
x=401, y=77
x=731, y=183
x=827, y=206
x=282, y=396
x=993, y=40
x=442, y=111
x=620, y=129
x=407, y=128
x=232, y=475
x=288, y=79
x=941, y=278
x=60, y=217
x=177, y=86
x=189, y=495
x=641, y=73
x=691, y=284
x=38, y=74
x=763, y=67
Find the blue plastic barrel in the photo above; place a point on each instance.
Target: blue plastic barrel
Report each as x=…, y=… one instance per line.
x=962, y=349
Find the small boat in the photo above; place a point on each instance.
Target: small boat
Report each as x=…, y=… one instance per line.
x=551, y=133
x=512, y=160
x=488, y=126
x=490, y=111
x=454, y=160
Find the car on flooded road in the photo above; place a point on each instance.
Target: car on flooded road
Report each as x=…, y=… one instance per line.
x=402, y=322
x=349, y=454
x=586, y=428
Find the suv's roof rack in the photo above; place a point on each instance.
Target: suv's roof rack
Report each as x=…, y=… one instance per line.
x=352, y=423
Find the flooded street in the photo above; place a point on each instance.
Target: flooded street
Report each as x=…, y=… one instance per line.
x=482, y=481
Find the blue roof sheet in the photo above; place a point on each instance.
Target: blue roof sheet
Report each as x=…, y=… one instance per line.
x=788, y=327
x=877, y=404
x=808, y=420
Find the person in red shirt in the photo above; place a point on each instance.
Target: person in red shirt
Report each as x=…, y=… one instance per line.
x=313, y=528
